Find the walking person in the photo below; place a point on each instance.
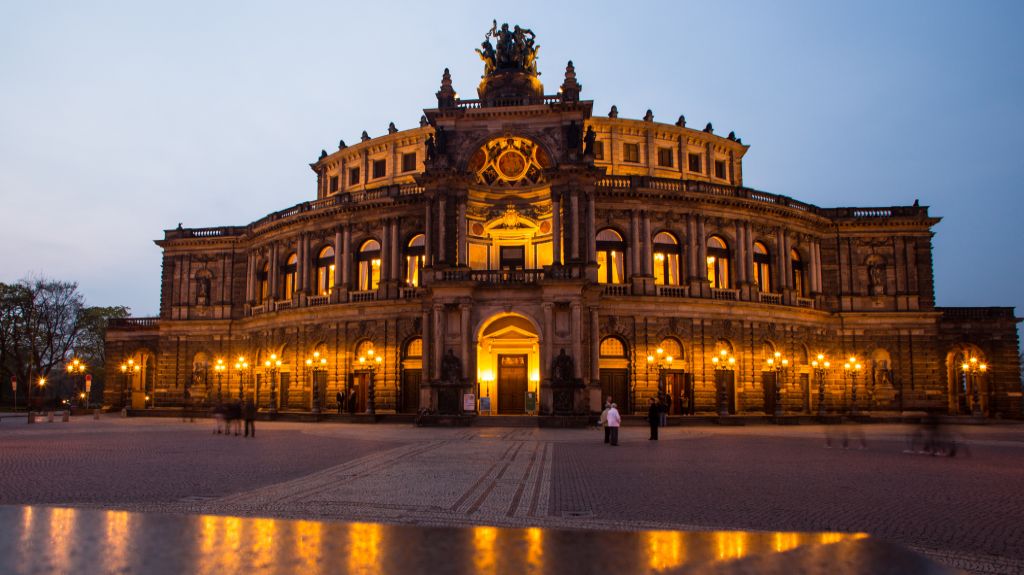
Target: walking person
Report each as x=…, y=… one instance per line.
x=663, y=410
x=218, y=417
x=249, y=413
x=341, y=401
x=614, y=421
x=186, y=408
x=653, y=417
x=603, y=422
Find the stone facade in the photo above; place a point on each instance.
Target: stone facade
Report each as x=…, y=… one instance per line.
x=519, y=244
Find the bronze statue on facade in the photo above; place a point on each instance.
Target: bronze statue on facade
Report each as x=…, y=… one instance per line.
x=516, y=49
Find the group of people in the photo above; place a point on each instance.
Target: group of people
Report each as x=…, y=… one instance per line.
x=228, y=417
x=611, y=419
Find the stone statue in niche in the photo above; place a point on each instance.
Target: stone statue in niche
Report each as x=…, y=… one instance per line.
x=876, y=277
x=562, y=368
x=588, y=142
x=451, y=367
x=203, y=291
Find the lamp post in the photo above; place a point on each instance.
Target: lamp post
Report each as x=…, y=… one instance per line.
x=219, y=369
x=272, y=366
x=42, y=387
x=821, y=367
x=371, y=362
x=128, y=369
x=777, y=364
x=971, y=369
x=852, y=369
x=315, y=365
x=75, y=366
x=663, y=363
x=241, y=366
x=723, y=362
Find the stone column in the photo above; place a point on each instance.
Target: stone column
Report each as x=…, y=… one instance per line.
x=462, y=251
x=595, y=346
x=300, y=265
x=556, y=227
x=549, y=331
x=648, y=252
x=274, y=265
x=574, y=201
x=817, y=266
x=438, y=339
x=385, y=250
x=748, y=241
x=741, y=254
x=346, y=262
x=692, y=249
x=464, y=317
x=337, y=263
x=634, y=245
x=428, y=233
x=591, y=228
x=780, y=260
x=426, y=356
x=396, y=258
x=787, y=260
x=441, y=252
x=248, y=277
x=702, y=250
x=576, y=330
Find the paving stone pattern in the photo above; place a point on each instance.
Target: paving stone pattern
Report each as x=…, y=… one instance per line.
x=965, y=512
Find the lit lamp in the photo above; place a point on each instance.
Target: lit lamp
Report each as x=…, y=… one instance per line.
x=971, y=369
x=723, y=362
x=218, y=369
x=315, y=365
x=128, y=369
x=662, y=362
x=241, y=366
x=852, y=369
x=821, y=366
x=77, y=367
x=371, y=362
x=272, y=366
x=778, y=364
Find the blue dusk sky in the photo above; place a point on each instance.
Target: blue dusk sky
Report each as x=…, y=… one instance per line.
x=120, y=119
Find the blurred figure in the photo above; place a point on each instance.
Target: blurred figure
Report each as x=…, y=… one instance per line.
x=249, y=414
x=234, y=417
x=844, y=436
x=614, y=421
x=341, y=401
x=653, y=417
x=931, y=438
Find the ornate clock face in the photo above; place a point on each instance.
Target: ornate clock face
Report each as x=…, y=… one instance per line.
x=509, y=161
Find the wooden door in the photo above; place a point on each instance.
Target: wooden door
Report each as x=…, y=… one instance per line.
x=357, y=392
x=411, y=379
x=512, y=384
x=805, y=392
x=615, y=383
x=675, y=386
x=768, y=386
x=284, y=382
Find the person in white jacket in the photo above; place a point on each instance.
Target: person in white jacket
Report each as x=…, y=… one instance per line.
x=614, y=421
x=603, y=422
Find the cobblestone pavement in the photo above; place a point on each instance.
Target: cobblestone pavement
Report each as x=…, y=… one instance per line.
x=966, y=512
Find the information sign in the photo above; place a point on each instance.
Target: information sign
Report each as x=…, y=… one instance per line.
x=469, y=402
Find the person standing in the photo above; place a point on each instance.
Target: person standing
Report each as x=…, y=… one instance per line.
x=603, y=422
x=341, y=401
x=614, y=421
x=249, y=413
x=653, y=417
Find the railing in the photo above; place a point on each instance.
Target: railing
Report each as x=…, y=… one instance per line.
x=725, y=294
x=805, y=302
x=318, y=300
x=359, y=296
x=976, y=313
x=615, y=289
x=506, y=277
x=772, y=298
x=673, y=291
x=514, y=101
x=409, y=293
x=258, y=309
x=134, y=323
x=282, y=304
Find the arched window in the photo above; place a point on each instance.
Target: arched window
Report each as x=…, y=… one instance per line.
x=364, y=348
x=414, y=348
x=610, y=257
x=414, y=251
x=263, y=284
x=719, y=272
x=288, y=276
x=325, y=271
x=762, y=268
x=612, y=347
x=369, y=265
x=666, y=259
x=670, y=347
x=799, y=279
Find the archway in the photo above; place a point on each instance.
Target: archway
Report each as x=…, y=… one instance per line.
x=508, y=365
x=966, y=387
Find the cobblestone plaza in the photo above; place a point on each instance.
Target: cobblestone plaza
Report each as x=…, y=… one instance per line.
x=961, y=511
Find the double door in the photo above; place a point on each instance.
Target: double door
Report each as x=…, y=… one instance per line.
x=512, y=384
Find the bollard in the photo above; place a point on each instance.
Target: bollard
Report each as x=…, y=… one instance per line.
x=49, y=417
x=66, y=417
x=124, y=412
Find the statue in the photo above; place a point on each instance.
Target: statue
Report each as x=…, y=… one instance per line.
x=514, y=49
x=431, y=148
x=876, y=277
x=562, y=368
x=588, y=142
x=451, y=367
x=203, y=291
x=486, y=52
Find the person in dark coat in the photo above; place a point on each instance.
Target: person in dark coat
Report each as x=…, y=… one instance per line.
x=341, y=401
x=249, y=414
x=653, y=417
x=234, y=418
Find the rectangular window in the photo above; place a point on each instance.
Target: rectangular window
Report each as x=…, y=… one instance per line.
x=409, y=162
x=513, y=257
x=379, y=168
x=720, y=169
x=334, y=184
x=631, y=153
x=665, y=159
x=353, y=177
x=694, y=160
x=598, y=150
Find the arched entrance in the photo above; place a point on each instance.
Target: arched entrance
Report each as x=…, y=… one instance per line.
x=966, y=387
x=508, y=364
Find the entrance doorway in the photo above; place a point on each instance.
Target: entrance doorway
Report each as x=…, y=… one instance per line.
x=727, y=380
x=615, y=384
x=283, y=390
x=357, y=392
x=680, y=393
x=768, y=386
x=411, y=379
x=512, y=380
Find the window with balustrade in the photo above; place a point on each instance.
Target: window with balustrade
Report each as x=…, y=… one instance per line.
x=719, y=263
x=414, y=253
x=289, y=277
x=799, y=276
x=325, y=271
x=666, y=259
x=263, y=283
x=368, y=260
x=611, y=251
x=762, y=268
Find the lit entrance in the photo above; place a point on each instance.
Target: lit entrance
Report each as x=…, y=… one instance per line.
x=508, y=364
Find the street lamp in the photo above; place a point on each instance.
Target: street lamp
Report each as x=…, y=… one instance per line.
x=852, y=369
x=821, y=367
x=272, y=366
x=662, y=362
x=777, y=364
x=77, y=367
x=315, y=365
x=219, y=369
x=723, y=362
x=371, y=362
x=128, y=369
x=241, y=366
x=971, y=369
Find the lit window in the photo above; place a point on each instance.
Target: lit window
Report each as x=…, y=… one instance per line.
x=666, y=259
x=263, y=283
x=288, y=277
x=718, y=263
x=631, y=153
x=598, y=150
x=612, y=347
x=610, y=260
x=762, y=268
x=325, y=271
x=414, y=348
x=414, y=251
x=799, y=282
x=369, y=265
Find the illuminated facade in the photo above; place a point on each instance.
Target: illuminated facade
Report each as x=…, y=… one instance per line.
x=517, y=244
